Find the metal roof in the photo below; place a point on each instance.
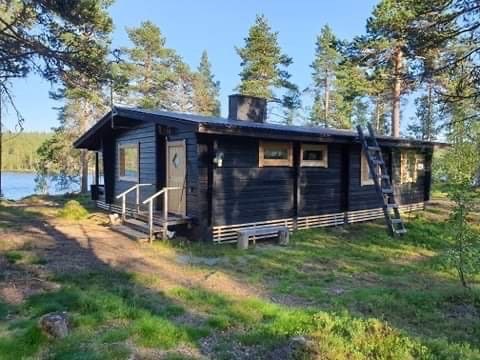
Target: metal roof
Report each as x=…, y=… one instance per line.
x=202, y=123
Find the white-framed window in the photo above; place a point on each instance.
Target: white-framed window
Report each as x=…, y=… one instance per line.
x=315, y=155
x=128, y=161
x=271, y=153
x=411, y=165
x=365, y=174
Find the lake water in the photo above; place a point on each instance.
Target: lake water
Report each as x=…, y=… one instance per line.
x=16, y=185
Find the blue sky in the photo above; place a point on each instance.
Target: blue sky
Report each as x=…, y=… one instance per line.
x=217, y=26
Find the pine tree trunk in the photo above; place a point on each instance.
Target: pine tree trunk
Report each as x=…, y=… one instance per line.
x=428, y=125
x=377, y=115
x=84, y=153
x=84, y=171
x=397, y=91
x=327, y=98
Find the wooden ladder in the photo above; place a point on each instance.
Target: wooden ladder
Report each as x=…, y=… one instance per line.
x=382, y=181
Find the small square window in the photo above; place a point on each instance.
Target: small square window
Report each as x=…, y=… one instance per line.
x=314, y=155
x=275, y=154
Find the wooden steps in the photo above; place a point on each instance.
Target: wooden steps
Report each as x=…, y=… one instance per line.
x=130, y=232
x=135, y=226
x=141, y=226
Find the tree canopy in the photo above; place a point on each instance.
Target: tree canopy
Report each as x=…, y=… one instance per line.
x=206, y=88
x=265, y=66
x=53, y=38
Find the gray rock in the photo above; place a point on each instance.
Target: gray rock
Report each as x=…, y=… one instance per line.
x=55, y=325
x=114, y=219
x=299, y=341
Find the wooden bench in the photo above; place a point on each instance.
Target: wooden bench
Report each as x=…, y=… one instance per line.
x=244, y=235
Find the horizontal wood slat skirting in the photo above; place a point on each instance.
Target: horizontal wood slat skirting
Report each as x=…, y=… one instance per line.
x=157, y=217
x=229, y=233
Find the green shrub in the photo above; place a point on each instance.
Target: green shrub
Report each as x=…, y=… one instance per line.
x=13, y=256
x=73, y=210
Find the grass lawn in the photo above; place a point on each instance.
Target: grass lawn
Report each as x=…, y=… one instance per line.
x=351, y=293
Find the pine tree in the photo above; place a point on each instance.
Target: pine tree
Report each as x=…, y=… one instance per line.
x=84, y=102
x=157, y=76
x=399, y=33
x=264, y=66
x=51, y=38
x=351, y=88
x=425, y=125
x=380, y=94
x=206, y=88
x=325, y=65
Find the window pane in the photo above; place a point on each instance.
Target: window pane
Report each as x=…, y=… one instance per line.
x=275, y=153
x=129, y=161
x=101, y=180
x=312, y=155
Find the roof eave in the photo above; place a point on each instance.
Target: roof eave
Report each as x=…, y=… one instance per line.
x=218, y=129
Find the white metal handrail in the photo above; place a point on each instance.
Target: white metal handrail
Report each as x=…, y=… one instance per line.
x=149, y=200
x=123, y=195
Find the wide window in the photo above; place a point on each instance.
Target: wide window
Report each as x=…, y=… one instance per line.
x=275, y=154
x=128, y=162
x=314, y=155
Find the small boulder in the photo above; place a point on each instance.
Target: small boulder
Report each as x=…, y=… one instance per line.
x=55, y=325
x=114, y=219
x=299, y=341
x=302, y=347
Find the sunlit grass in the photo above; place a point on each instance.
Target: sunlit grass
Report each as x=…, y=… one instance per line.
x=353, y=292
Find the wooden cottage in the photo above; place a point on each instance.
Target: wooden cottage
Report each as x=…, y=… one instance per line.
x=216, y=176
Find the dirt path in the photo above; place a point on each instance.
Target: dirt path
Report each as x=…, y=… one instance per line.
x=88, y=245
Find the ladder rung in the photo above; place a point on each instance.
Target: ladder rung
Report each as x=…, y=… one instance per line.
x=378, y=161
x=386, y=177
x=396, y=221
x=400, y=231
x=387, y=191
x=374, y=148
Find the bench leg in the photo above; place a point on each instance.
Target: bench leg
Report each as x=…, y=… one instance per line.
x=283, y=238
x=242, y=243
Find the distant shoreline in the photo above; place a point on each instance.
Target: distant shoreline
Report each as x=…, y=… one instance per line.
x=18, y=171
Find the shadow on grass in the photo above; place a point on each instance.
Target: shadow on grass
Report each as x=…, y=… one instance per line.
x=110, y=308
x=107, y=306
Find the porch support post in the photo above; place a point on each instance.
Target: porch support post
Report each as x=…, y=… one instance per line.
x=137, y=204
x=165, y=214
x=97, y=175
x=150, y=221
x=124, y=208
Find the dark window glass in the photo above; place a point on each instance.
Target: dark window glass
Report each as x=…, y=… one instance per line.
x=275, y=153
x=312, y=155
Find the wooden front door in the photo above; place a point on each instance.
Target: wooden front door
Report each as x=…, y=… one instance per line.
x=176, y=176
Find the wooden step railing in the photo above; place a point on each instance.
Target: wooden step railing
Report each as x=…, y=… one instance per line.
x=149, y=200
x=124, y=194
